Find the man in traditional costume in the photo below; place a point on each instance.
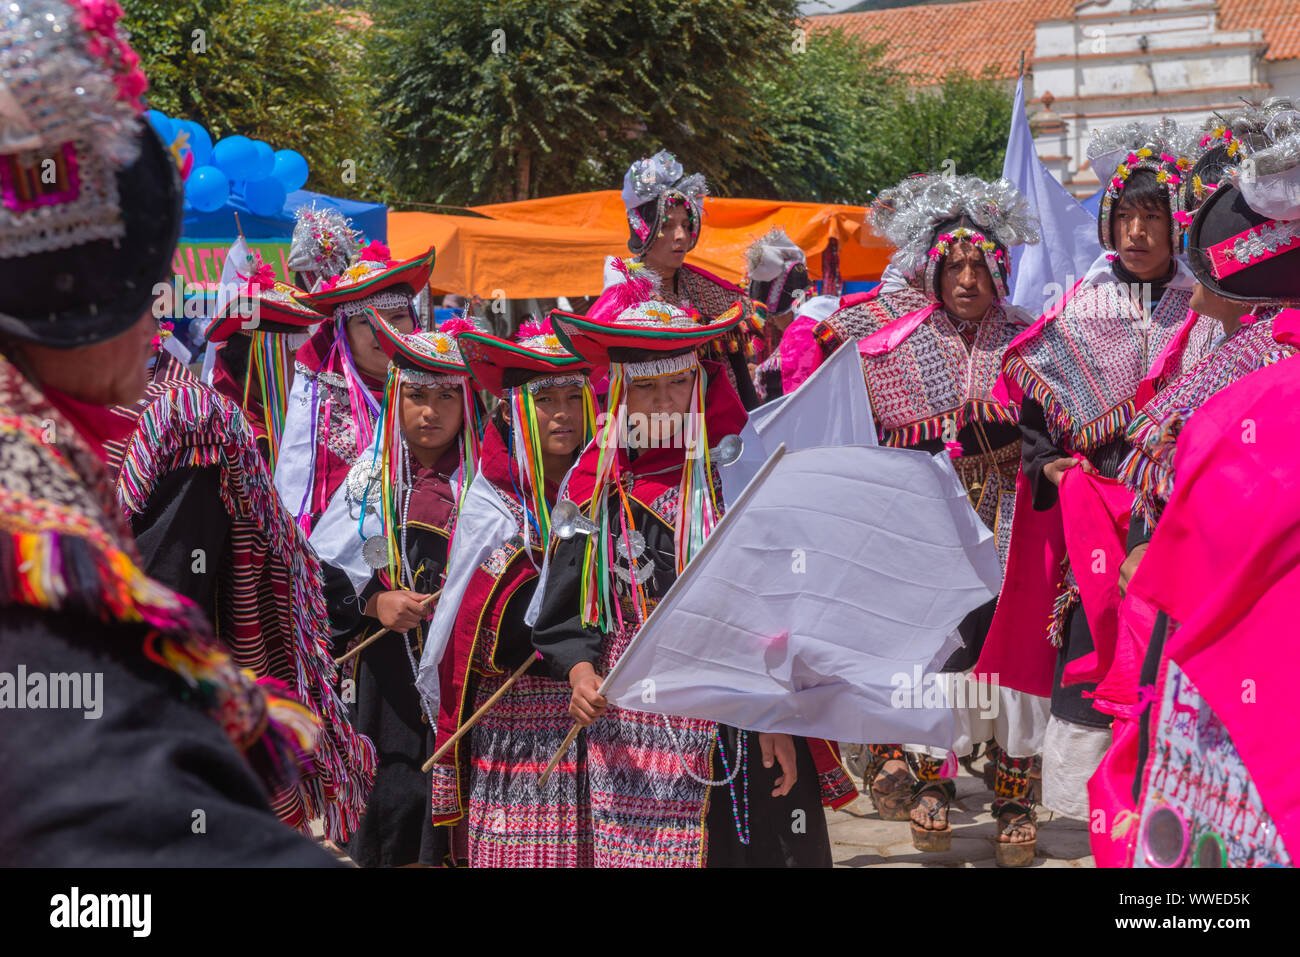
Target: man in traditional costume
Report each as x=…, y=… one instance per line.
x=339, y=376
x=488, y=782
x=930, y=375
x=178, y=725
x=665, y=212
x=388, y=530
x=657, y=795
x=1076, y=374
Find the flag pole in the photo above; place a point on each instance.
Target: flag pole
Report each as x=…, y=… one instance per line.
x=424, y=606
x=684, y=576
x=487, y=705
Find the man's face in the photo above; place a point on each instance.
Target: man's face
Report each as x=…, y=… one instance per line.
x=965, y=285
x=667, y=251
x=1206, y=303
x=1141, y=238
x=367, y=353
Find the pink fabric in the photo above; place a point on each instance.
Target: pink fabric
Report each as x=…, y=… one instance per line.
x=1166, y=363
x=1017, y=650
x=889, y=338
x=801, y=353
x=858, y=298
x=1096, y=515
x=1110, y=792
x=1286, y=327
x=1117, y=680
x=1008, y=392
x=1225, y=564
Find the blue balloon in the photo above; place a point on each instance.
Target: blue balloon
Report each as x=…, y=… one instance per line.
x=207, y=189
x=290, y=169
x=200, y=143
x=236, y=156
x=265, y=160
x=163, y=125
x=265, y=197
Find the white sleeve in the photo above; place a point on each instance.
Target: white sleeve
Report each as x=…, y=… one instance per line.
x=294, y=459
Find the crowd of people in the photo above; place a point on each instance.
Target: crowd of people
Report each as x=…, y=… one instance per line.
x=338, y=604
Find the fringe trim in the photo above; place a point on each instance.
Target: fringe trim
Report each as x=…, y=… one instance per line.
x=932, y=428
x=1061, y=608
x=1083, y=438
x=667, y=365
x=192, y=428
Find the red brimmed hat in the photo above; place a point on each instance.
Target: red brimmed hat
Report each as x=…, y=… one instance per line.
x=431, y=352
x=276, y=308
x=371, y=274
x=499, y=365
x=645, y=331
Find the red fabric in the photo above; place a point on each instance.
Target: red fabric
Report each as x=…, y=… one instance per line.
x=723, y=415
x=97, y=424
x=1225, y=564
x=1016, y=650
x=1096, y=512
x=1286, y=327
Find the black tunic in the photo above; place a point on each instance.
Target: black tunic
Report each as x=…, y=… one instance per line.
x=775, y=840
x=122, y=790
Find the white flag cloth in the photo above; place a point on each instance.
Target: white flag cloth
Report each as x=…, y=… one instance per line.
x=838, y=571
x=234, y=273
x=1041, y=273
x=830, y=407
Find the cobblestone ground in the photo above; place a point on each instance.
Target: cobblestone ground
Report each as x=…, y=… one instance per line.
x=859, y=838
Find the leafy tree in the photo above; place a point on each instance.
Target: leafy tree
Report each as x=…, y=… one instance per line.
x=509, y=99
x=289, y=72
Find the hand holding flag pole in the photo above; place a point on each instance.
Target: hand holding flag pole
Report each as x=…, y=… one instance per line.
x=424, y=606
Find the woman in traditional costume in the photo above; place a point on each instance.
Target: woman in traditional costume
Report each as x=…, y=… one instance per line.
x=662, y=791
x=665, y=212
x=179, y=725
x=488, y=781
x=385, y=540
x=778, y=279
x=339, y=376
x=1076, y=374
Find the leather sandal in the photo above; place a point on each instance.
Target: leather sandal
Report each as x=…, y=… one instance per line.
x=933, y=839
x=891, y=794
x=1021, y=853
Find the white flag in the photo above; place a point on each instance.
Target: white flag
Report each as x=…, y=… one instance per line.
x=830, y=407
x=235, y=271
x=839, y=573
x=1041, y=273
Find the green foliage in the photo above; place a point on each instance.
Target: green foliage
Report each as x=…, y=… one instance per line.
x=490, y=101
x=289, y=72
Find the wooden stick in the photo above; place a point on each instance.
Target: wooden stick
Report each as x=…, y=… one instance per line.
x=473, y=719
x=380, y=633
x=564, y=746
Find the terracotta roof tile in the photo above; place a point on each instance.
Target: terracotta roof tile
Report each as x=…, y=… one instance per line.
x=1279, y=19
x=933, y=39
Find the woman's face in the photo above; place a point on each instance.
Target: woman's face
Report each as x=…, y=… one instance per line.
x=656, y=407
x=367, y=353
x=113, y=372
x=559, y=418
x=431, y=417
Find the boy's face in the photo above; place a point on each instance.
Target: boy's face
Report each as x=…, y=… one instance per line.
x=367, y=353
x=559, y=418
x=431, y=417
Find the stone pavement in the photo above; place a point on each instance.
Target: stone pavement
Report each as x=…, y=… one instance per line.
x=859, y=838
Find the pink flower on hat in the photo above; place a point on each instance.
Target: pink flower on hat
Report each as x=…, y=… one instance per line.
x=375, y=252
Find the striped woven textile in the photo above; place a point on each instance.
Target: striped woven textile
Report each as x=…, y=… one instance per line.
x=271, y=614
x=511, y=822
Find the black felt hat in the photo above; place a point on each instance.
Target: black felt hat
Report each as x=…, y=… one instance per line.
x=1228, y=249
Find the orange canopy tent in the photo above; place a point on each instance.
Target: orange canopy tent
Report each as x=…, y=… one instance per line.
x=544, y=248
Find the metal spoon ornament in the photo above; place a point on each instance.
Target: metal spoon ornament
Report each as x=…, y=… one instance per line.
x=728, y=450
x=567, y=520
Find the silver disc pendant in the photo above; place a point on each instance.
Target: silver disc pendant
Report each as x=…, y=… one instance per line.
x=374, y=551
x=637, y=543
x=364, y=484
x=641, y=575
